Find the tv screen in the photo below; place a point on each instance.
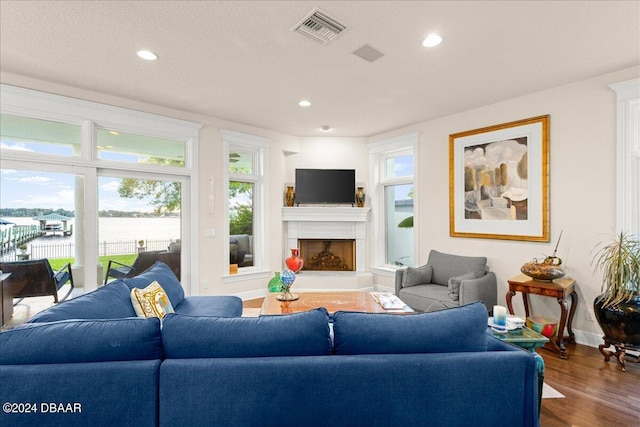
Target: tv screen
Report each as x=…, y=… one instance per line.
x=325, y=186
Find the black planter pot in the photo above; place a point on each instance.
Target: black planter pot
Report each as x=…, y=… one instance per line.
x=621, y=327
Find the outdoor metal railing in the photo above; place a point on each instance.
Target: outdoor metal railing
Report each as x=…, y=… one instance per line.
x=67, y=250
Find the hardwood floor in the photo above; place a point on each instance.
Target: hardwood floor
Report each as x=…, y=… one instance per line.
x=596, y=393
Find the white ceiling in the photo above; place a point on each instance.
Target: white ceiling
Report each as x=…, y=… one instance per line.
x=239, y=61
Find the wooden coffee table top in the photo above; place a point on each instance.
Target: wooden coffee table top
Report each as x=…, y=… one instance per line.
x=333, y=301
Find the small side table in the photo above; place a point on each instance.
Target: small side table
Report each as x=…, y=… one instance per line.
x=559, y=289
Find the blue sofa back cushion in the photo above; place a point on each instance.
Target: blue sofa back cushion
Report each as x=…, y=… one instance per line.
x=76, y=341
x=300, y=334
x=112, y=301
x=161, y=273
x=459, y=329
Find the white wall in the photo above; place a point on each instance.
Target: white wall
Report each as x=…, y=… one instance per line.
x=582, y=187
x=330, y=153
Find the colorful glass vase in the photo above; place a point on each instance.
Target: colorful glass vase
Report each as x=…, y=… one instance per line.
x=287, y=278
x=275, y=284
x=294, y=262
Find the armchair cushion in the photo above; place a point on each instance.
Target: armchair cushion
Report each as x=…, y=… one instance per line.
x=454, y=285
x=447, y=265
x=417, y=276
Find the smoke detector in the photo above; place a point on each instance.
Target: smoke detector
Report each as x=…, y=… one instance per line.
x=319, y=26
x=368, y=53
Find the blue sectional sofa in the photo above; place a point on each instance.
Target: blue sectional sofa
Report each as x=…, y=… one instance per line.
x=432, y=369
x=113, y=301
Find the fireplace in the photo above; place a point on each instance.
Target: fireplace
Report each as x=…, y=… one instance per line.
x=322, y=224
x=328, y=255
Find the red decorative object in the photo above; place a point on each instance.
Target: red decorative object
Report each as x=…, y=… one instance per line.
x=294, y=262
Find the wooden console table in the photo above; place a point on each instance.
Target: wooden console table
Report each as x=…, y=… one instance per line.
x=559, y=289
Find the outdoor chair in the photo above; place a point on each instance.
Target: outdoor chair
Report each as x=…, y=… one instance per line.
x=118, y=270
x=36, y=278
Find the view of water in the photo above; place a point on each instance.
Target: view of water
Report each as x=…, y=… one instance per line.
x=116, y=230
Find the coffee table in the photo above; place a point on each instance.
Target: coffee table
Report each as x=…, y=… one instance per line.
x=333, y=301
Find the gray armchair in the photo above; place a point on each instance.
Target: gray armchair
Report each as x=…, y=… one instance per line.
x=447, y=281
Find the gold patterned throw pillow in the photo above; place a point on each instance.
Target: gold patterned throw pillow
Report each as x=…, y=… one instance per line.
x=151, y=301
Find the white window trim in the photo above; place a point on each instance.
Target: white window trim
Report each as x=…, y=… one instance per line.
x=259, y=146
x=90, y=115
x=628, y=156
x=378, y=152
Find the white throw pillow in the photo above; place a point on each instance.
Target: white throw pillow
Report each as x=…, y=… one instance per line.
x=151, y=301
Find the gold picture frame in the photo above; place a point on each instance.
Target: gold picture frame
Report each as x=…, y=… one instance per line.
x=499, y=181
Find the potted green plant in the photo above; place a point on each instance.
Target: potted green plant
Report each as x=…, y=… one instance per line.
x=617, y=309
x=23, y=248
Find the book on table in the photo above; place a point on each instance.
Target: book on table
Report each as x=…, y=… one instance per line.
x=388, y=301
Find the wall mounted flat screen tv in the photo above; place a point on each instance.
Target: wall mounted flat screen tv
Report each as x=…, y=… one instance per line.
x=319, y=186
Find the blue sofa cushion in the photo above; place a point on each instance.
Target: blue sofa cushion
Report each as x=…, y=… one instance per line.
x=460, y=329
x=161, y=273
x=112, y=301
x=216, y=305
x=447, y=265
x=300, y=334
x=74, y=341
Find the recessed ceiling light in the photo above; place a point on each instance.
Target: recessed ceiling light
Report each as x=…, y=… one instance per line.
x=148, y=55
x=432, y=40
x=304, y=103
x=326, y=128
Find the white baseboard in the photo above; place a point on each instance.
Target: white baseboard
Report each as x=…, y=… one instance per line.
x=594, y=340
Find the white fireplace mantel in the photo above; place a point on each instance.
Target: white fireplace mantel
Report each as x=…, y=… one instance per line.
x=326, y=222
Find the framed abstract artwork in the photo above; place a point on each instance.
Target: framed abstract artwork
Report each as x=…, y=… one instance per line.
x=499, y=181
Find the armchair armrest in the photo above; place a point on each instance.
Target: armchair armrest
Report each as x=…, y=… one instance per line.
x=61, y=277
x=399, y=277
x=483, y=289
x=124, y=270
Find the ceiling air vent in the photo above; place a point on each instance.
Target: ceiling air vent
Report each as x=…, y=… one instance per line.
x=319, y=26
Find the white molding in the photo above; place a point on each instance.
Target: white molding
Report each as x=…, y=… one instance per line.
x=628, y=156
x=378, y=152
x=259, y=147
x=44, y=105
x=328, y=223
x=337, y=213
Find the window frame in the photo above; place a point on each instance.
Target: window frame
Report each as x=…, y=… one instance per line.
x=379, y=153
x=628, y=156
x=91, y=116
x=259, y=148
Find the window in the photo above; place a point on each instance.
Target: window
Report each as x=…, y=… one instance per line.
x=246, y=204
x=98, y=162
x=27, y=134
x=628, y=161
x=135, y=148
x=393, y=178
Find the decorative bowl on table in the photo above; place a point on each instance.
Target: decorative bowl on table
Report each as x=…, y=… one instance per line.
x=547, y=269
